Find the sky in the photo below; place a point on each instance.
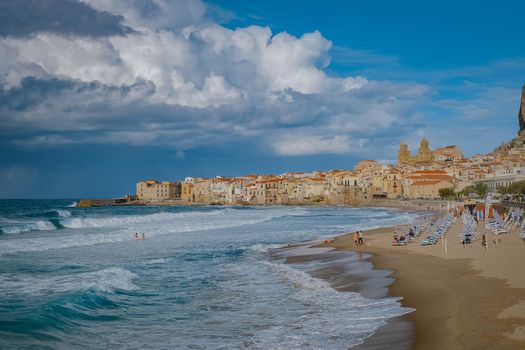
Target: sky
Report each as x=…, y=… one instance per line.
x=96, y=95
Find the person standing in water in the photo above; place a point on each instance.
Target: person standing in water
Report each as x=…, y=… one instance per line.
x=143, y=236
x=136, y=236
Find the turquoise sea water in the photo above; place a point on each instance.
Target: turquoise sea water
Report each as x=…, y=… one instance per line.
x=73, y=278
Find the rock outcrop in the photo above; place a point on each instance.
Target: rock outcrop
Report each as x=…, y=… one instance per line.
x=518, y=141
x=521, y=114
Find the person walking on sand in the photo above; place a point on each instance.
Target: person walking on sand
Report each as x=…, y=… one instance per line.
x=136, y=236
x=143, y=236
x=360, y=237
x=356, y=237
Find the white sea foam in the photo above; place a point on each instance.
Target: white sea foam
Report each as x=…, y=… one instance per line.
x=112, y=279
x=244, y=216
x=106, y=280
x=72, y=205
x=63, y=213
x=331, y=319
x=40, y=225
x=263, y=248
x=119, y=228
x=157, y=261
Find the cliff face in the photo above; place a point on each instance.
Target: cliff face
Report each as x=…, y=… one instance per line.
x=517, y=141
x=521, y=114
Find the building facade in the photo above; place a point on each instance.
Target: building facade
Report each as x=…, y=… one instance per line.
x=152, y=190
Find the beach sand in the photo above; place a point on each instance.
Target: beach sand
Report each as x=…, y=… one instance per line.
x=470, y=298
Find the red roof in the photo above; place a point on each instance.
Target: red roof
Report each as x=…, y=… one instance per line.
x=429, y=183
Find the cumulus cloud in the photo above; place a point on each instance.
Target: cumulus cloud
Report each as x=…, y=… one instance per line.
x=177, y=77
x=293, y=145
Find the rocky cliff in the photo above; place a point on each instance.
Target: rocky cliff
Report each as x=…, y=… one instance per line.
x=519, y=141
x=521, y=114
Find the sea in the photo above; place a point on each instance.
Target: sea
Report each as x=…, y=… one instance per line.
x=74, y=278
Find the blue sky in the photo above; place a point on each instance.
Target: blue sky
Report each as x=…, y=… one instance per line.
x=96, y=95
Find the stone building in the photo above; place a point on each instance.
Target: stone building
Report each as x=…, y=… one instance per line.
x=428, y=189
x=152, y=190
x=447, y=154
x=425, y=155
x=366, y=165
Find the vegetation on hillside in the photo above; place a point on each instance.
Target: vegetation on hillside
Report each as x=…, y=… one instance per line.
x=517, y=187
x=479, y=188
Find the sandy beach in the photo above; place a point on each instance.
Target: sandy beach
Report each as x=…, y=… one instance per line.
x=469, y=298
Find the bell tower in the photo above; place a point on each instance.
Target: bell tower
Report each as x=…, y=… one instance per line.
x=424, y=153
x=403, y=155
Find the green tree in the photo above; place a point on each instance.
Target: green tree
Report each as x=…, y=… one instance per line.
x=446, y=192
x=503, y=190
x=517, y=187
x=481, y=189
x=467, y=190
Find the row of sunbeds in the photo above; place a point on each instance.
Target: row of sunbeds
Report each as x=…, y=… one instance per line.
x=469, y=233
x=416, y=229
x=438, y=229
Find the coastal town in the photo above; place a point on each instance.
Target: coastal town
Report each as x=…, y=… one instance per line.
x=425, y=174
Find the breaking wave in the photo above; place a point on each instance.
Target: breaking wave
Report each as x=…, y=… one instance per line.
x=328, y=325
x=107, y=280
x=118, y=228
x=40, y=225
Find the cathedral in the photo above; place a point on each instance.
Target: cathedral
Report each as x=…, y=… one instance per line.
x=425, y=155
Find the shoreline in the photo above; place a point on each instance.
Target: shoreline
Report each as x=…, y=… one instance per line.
x=468, y=299
x=348, y=271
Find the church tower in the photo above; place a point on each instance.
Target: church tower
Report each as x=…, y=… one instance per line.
x=403, y=155
x=424, y=153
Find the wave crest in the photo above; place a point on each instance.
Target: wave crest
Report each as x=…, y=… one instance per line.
x=107, y=280
x=40, y=225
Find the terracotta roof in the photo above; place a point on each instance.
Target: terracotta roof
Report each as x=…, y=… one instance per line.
x=429, y=177
x=429, y=172
x=269, y=181
x=151, y=182
x=445, y=148
x=429, y=183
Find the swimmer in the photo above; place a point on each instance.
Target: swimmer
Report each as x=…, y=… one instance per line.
x=136, y=236
x=143, y=236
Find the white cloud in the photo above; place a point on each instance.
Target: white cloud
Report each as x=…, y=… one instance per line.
x=197, y=83
x=293, y=145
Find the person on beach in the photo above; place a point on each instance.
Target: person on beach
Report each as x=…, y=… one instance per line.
x=360, y=235
x=395, y=236
x=356, y=237
x=484, y=240
x=143, y=236
x=136, y=236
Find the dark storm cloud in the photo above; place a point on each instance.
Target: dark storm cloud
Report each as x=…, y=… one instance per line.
x=31, y=92
x=22, y=18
